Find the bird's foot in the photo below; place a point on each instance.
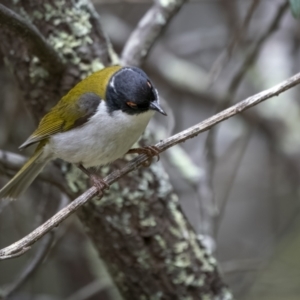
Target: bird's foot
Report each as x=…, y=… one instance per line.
x=150, y=151
x=96, y=181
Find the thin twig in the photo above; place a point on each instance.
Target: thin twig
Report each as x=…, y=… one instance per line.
x=19, y=26
x=148, y=30
x=180, y=137
x=245, y=265
x=90, y=290
x=191, y=79
x=32, y=266
x=224, y=57
x=229, y=184
x=207, y=204
x=43, y=250
x=252, y=55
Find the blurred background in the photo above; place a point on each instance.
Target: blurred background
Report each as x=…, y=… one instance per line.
x=238, y=184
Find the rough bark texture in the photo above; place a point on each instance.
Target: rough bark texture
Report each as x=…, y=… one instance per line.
x=156, y=255
x=138, y=228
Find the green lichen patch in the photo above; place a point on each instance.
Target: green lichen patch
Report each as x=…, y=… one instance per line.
x=120, y=222
x=157, y=296
x=160, y=241
x=143, y=258
x=36, y=14
x=164, y=185
x=148, y=222
x=134, y=197
x=201, y=254
x=181, y=246
x=175, y=231
x=36, y=71
x=189, y=279
x=178, y=216
x=198, y=282
x=72, y=179
x=180, y=277
x=182, y=260
x=73, y=42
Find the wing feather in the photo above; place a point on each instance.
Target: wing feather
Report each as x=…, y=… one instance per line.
x=65, y=116
x=75, y=108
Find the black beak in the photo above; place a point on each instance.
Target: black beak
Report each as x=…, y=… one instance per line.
x=155, y=106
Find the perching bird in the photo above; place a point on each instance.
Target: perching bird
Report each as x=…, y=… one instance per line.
x=96, y=123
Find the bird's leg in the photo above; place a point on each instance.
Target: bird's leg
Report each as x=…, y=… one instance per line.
x=97, y=181
x=150, y=151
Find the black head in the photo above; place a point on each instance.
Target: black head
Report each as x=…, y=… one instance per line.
x=131, y=91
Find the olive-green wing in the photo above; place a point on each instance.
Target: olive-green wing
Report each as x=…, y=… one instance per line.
x=65, y=115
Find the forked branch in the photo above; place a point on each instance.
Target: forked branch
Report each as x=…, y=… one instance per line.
x=148, y=30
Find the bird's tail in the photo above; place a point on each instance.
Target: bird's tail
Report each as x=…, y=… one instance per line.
x=21, y=181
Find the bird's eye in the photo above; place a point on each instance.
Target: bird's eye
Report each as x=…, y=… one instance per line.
x=131, y=104
x=149, y=84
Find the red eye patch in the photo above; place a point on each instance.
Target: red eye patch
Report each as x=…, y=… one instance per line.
x=131, y=104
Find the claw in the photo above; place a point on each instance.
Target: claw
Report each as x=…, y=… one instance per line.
x=96, y=181
x=150, y=151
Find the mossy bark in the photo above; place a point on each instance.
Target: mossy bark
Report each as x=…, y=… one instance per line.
x=138, y=228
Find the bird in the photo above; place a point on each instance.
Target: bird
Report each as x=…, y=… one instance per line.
x=95, y=123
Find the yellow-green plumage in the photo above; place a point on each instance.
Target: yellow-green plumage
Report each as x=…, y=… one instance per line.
x=66, y=112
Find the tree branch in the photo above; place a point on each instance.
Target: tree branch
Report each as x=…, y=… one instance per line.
x=252, y=55
x=91, y=289
x=148, y=30
x=24, y=244
x=43, y=250
x=32, y=266
x=47, y=55
x=238, y=37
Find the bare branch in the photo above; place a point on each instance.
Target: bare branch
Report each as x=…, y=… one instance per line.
x=19, y=26
x=90, y=290
x=45, y=246
x=12, y=161
x=251, y=57
x=225, y=56
x=208, y=208
x=32, y=265
x=180, y=137
x=231, y=179
x=148, y=30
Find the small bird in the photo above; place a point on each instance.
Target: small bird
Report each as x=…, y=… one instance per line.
x=94, y=124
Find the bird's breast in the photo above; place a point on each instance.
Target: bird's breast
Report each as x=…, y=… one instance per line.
x=103, y=139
